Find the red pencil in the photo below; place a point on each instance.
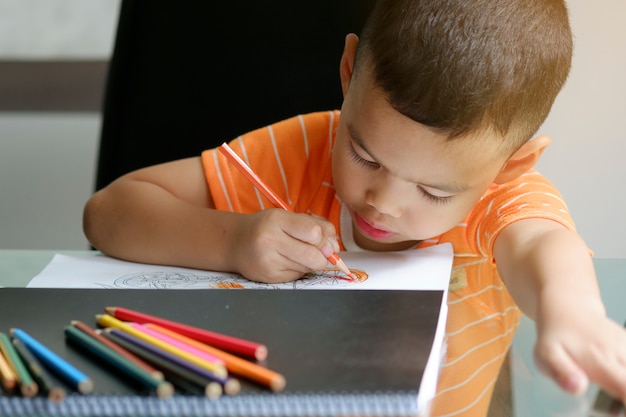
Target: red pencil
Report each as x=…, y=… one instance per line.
x=239, y=163
x=220, y=341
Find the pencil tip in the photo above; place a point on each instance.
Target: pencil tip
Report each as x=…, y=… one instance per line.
x=109, y=310
x=278, y=384
x=261, y=353
x=56, y=395
x=342, y=266
x=85, y=386
x=165, y=389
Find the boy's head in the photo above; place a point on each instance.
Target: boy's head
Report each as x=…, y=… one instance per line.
x=441, y=99
x=463, y=66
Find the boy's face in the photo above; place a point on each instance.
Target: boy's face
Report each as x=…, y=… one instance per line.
x=401, y=181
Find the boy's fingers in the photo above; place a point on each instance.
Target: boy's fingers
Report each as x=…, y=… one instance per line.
x=610, y=374
x=320, y=234
x=328, y=246
x=558, y=365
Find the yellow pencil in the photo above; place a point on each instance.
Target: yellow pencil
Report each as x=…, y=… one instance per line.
x=106, y=320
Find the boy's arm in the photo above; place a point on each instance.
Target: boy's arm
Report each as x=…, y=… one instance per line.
x=549, y=272
x=164, y=214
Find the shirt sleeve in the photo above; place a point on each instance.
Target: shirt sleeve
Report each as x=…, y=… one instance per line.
x=529, y=196
x=288, y=156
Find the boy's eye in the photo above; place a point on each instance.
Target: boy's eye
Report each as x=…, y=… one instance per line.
x=360, y=160
x=434, y=198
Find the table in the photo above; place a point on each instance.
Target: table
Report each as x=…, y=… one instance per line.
x=521, y=390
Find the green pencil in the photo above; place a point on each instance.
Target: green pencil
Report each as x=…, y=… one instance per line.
x=28, y=386
x=163, y=389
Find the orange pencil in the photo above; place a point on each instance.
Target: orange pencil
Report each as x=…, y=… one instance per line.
x=234, y=364
x=239, y=163
x=9, y=379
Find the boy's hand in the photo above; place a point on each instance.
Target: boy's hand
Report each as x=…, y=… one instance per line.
x=275, y=245
x=549, y=272
x=578, y=343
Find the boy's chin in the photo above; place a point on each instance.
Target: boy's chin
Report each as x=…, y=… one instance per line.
x=384, y=245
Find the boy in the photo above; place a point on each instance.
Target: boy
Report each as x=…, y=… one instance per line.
x=432, y=144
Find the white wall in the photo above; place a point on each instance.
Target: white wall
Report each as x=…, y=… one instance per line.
x=46, y=175
x=71, y=29
x=586, y=158
x=47, y=160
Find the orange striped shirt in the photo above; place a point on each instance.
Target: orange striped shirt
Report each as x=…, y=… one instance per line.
x=294, y=158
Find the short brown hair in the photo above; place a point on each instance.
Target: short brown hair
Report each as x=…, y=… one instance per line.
x=460, y=66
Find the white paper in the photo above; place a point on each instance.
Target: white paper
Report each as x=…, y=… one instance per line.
x=420, y=269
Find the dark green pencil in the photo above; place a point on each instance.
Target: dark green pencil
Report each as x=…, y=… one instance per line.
x=55, y=392
x=163, y=389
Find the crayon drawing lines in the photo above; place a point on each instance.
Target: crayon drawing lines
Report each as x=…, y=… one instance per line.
x=188, y=280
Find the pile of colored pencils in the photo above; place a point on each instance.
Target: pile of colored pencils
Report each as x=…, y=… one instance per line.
x=27, y=364
x=158, y=354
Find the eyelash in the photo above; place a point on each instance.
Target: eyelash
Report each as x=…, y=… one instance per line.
x=361, y=161
x=433, y=198
x=373, y=165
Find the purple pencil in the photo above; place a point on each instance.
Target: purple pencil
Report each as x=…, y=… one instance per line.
x=231, y=386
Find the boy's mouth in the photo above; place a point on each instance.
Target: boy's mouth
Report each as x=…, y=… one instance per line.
x=370, y=230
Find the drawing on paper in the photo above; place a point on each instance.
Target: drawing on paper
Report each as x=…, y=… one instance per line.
x=187, y=280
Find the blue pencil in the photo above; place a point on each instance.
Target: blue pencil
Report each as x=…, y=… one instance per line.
x=54, y=362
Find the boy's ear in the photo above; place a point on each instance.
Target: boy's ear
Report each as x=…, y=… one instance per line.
x=523, y=159
x=347, y=61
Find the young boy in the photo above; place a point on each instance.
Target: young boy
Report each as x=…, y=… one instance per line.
x=433, y=144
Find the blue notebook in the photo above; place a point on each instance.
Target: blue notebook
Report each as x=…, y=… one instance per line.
x=343, y=353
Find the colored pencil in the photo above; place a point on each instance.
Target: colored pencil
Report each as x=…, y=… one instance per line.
x=106, y=320
x=231, y=386
x=212, y=391
x=156, y=374
x=239, y=163
x=229, y=343
x=28, y=386
x=170, y=365
x=55, y=392
x=9, y=379
x=163, y=389
x=179, y=344
x=238, y=366
x=81, y=382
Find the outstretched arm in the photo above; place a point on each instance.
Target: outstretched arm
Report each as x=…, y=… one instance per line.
x=548, y=271
x=164, y=214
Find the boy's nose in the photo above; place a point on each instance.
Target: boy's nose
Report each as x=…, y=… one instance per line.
x=386, y=197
